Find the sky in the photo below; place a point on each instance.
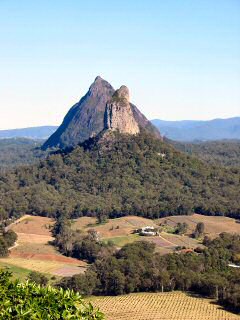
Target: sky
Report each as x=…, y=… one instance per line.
x=179, y=58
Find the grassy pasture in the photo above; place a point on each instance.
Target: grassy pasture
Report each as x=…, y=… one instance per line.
x=17, y=272
x=214, y=225
x=120, y=232
x=33, y=225
x=118, y=227
x=161, y=306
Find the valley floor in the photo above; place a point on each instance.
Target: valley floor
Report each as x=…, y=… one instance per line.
x=33, y=250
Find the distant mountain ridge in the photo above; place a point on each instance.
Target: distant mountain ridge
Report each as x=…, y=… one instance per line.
x=190, y=130
x=41, y=133
x=185, y=130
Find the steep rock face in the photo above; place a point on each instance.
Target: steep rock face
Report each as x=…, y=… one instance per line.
x=118, y=113
x=86, y=118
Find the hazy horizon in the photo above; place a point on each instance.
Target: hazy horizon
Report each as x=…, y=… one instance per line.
x=180, y=60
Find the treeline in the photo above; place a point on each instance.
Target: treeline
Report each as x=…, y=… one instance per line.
x=78, y=244
x=137, y=268
x=137, y=175
x=7, y=240
x=224, y=153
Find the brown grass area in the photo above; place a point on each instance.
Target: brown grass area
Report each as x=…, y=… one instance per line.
x=213, y=225
x=33, y=238
x=161, y=306
x=33, y=225
x=82, y=222
x=31, y=248
x=118, y=227
x=34, y=252
x=47, y=257
x=122, y=228
x=52, y=267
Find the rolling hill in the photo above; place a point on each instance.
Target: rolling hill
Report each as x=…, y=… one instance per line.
x=42, y=133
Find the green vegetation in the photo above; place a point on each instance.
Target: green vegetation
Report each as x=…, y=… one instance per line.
x=31, y=301
x=81, y=246
x=38, y=278
x=19, y=151
x=122, y=240
x=17, y=272
x=181, y=228
x=199, y=230
x=224, y=153
x=128, y=175
x=7, y=240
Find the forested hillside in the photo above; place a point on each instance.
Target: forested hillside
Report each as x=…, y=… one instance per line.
x=137, y=175
x=19, y=151
x=224, y=153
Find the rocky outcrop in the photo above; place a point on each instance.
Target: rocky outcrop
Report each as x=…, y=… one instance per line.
x=87, y=118
x=119, y=115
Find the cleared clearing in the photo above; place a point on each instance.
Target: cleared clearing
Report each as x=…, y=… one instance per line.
x=118, y=227
x=34, y=252
x=33, y=225
x=44, y=265
x=120, y=232
x=214, y=225
x=161, y=306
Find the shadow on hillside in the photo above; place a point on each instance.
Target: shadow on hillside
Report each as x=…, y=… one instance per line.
x=214, y=302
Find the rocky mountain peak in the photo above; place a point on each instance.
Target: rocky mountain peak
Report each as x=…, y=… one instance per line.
x=100, y=108
x=100, y=87
x=118, y=113
x=122, y=93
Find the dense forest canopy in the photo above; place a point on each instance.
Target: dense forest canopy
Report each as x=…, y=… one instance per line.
x=137, y=175
x=19, y=151
x=224, y=153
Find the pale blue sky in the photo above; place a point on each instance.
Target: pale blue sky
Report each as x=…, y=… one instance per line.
x=179, y=58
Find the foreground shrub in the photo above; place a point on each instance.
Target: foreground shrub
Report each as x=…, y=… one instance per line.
x=24, y=301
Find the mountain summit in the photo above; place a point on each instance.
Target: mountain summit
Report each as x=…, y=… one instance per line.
x=101, y=108
x=118, y=113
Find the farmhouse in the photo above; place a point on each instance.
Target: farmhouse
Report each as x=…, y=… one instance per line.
x=147, y=231
x=233, y=265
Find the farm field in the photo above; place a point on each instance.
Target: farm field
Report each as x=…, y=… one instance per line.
x=120, y=232
x=118, y=227
x=161, y=306
x=34, y=252
x=214, y=225
x=33, y=225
